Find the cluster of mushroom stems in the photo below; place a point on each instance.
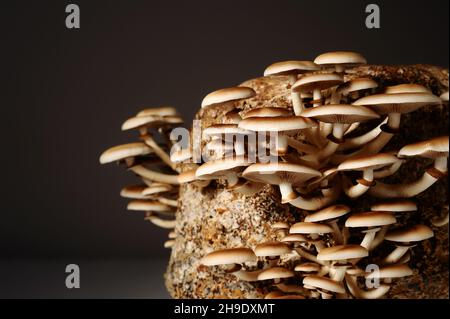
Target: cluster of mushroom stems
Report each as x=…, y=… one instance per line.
x=320, y=146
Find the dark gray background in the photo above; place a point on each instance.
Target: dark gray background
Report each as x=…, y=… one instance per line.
x=66, y=92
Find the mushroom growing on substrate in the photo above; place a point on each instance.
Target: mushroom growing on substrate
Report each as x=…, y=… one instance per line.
x=332, y=120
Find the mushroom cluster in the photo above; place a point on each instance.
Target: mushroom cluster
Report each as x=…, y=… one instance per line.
x=324, y=150
x=335, y=253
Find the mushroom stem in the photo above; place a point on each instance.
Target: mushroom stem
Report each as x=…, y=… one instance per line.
x=317, y=96
x=377, y=144
x=338, y=273
x=383, y=138
x=368, y=238
x=310, y=257
x=357, y=190
x=395, y=255
x=297, y=103
x=232, y=179
x=301, y=147
x=391, y=170
x=155, y=176
x=362, y=139
x=378, y=238
x=158, y=151
x=287, y=193
x=317, y=202
x=359, y=293
x=337, y=232
x=330, y=148
x=410, y=189
x=281, y=144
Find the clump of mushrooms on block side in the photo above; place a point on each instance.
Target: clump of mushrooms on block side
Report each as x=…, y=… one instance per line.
x=321, y=161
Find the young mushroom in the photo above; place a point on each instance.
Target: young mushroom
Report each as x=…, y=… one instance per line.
x=285, y=175
x=393, y=105
x=125, y=152
x=436, y=149
x=280, y=229
x=342, y=257
x=283, y=126
x=339, y=116
x=227, y=168
x=275, y=274
x=227, y=97
x=292, y=69
x=324, y=285
x=398, y=206
x=133, y=192
x=330, y=215
x=404, y=238
x=272, y=251
x=367, y=164
x=227, y=133
x=340, y=60
x=313, y=230
x=231, y=260
x=371, y=221
x=316, y=83
x=387, y=273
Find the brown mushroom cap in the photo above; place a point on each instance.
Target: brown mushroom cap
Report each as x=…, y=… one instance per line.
x=280, y=225
x=355, y=85
x=156, y=188
x=133, y=192
x=294, y=238
x=324, y=283
x=391, y=271
x=290, y=67
x=124, y=151
x=342, y=252
x=308, y=267
x=275, y=273
x=410, y=234
x=398, y=103
x=320, y=81
x=433, y=148
x=370, y=219
x=279, y=173
x=276, y=124
x=228, y=95
x=161, y=111
x=148, y=205
x=395, y=206
x=187, y=176
x=219, y=129
x=221, y=166
x=340, y=113
x=228, y=256
x=267, y=112
x=406, y=88
x=271, y=249
x=346, y=58
x=373, y=161
x=310, y=228
x=328, y=213
x=150, y=120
